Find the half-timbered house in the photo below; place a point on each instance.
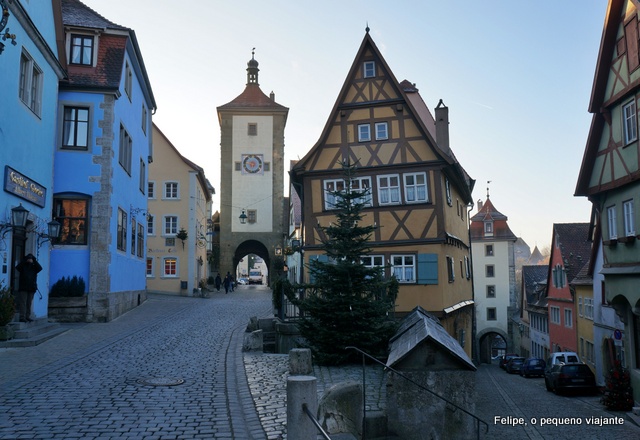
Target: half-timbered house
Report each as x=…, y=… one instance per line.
x=418, y=193
x=610, y=172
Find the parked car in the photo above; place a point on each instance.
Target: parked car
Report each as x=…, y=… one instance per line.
x=563, y=357
x=514, y=365
x=564, y=377
x=504, y=359
x=243, y=281
x=533, y=367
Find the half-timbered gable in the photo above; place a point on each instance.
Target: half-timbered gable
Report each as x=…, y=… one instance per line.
x=610, y=171
x=418, y=194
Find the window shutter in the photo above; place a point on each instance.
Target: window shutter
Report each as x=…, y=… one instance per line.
x=631, y=35
x=427, y=268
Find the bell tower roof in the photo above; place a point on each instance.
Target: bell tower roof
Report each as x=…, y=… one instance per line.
x=252, y=69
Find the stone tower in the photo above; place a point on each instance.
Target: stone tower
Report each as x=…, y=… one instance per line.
x=252, y=175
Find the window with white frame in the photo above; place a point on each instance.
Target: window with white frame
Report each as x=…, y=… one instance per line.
x=170, y=269
x=629, y=218
x=369, y=69
x=554, y=314
x=151, y=190
x=30, y=90
x=382, y=131
x=451, y=269
x=389, y=190
x=332, y=188
x=126, y=148
x=372, y=260
x=415, y=188
x=467, y=265
x=81, y=49
x=568, y=318
x=488, y=228
x=170, y=225
x=447, y=187
x=122, y=230
x=588, y=308
x=171, y=190
x=630, y=122
x=362, y=184
x=364, y=133
x=140, y=247
x=149, y=267
x=75, y=127
x=580, y=313
x=151, y=228
x=404, y=268
x=611, y=223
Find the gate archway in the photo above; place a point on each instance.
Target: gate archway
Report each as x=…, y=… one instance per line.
x=251, y=247
x=491, y=342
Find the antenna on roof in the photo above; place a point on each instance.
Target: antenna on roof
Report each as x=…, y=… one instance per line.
x=488, y=182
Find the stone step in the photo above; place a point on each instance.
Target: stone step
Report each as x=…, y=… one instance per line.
x=33, y=340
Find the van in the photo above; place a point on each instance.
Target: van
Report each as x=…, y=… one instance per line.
x=562, y=357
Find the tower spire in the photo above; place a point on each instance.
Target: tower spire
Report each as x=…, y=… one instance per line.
x=252, y=69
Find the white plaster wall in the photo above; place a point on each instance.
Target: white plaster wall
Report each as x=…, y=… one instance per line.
x=500, y=262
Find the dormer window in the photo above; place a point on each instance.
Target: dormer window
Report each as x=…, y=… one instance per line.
x=488, y=228
x=369, y=69
x=82, y=50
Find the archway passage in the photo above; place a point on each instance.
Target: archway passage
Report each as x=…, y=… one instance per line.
x=491, y=344
x=252, y=247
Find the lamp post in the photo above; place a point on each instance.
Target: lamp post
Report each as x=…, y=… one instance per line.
x=243, y=218
x=19, y=216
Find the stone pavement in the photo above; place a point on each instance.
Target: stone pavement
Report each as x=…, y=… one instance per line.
x=170, y=369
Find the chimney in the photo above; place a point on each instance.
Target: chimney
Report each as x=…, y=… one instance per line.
x=272, y=96
x=442, y=126
x=480, y=205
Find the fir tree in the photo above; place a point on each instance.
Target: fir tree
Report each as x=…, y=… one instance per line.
x=347, y=303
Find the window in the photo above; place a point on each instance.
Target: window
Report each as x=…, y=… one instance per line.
x=149, y=267
x=75, y=128
x=170, y=225
x=579, y=306
x=145, y=115
x=122, y=230
x=364, y=133
x=629, y=218
x=568, y=318
x=372, y=261
x=73, y=216
x=170, y=267
x=134, y=236
x=382, y=131
x=389, y=190
x=369, y=69
x=82, y=50
x=143, y=175
x=331, y=190
x=490, y=271
x=171, y=190
x=554, y=314
x=488, y=228
x=170, y=241
x=126, y=146
x=447, y=187
x=252, y=215
x=362, y=184
x=611, y=223
x=492, y=315
x=558, y=273
x=150, y=225
x=588, y=308
x=252, y=129
x=467, y=265
x=451, y=269
x=403, y=268
x=415, y=187
x=488, y=250
x=491, y=291
x=151, y=190
x=590, y=352
x=128, y=78
x=630, y=123
x=30, y=91
x=140, y=246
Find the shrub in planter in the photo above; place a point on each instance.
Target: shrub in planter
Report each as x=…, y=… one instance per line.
x=68, y=287
x=7, y=306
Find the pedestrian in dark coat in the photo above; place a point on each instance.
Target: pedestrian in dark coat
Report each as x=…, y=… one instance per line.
x=218, y=282
x=227, y=282
x=27, y=285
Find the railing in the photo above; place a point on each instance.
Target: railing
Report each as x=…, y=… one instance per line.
x=289, y=311
x=478, y=420
x=315, y=421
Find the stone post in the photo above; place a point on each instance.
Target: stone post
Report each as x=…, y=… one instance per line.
x=301, y=390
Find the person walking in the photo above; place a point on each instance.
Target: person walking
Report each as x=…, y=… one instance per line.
x=227, y=282
x=218, y=282
x=27, y=285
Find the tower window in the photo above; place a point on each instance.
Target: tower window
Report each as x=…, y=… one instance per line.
x=252, y=129
x=369, y=69
x=252, y=215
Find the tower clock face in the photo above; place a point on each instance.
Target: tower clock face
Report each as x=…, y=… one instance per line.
x=252, y=163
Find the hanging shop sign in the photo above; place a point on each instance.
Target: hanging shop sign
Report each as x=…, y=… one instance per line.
x=20, y=185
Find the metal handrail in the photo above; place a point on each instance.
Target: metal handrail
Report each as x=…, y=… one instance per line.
x=419, y=386
x=305, y=408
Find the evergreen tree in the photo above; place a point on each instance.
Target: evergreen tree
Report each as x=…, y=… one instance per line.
x=347, y=303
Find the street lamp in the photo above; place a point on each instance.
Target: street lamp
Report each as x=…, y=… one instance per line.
x=243, y=218
x=19, y=216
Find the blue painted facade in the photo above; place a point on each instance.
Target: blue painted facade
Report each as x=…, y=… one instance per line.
x=27, y=135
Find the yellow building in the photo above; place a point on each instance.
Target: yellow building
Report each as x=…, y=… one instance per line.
x=583, y=285
x=178, y=218
x=418, y=193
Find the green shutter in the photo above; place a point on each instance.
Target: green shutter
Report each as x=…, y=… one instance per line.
x=427, y=268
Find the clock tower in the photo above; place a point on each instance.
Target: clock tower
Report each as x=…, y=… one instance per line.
x=252, y=175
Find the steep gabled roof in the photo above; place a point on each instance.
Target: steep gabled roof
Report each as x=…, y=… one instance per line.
x=575, y=246
x=78, y=14
x=488, y=212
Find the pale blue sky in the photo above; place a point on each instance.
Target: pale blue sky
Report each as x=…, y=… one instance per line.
x=516, y=76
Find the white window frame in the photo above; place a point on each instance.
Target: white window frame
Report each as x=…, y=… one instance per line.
x=447, y=187
x=629, y=218
x=364, y=132
x=629, y=122
x=372, y=261
x=150, y=273
x=588, y=308
x=389, y=193
x=404, y=268
x=382, y=131
x=331, y=186
x=554, y=314
x=580, y=306
x=164, y=267
x=31, y=77
x=171, y=191
x=451, y=269
x=568, y=318
x=170, y=226
x=151, y=224
x=363, y=184
x=369, y=69
x=81, y=49
x=412, y=190
x=488, y=228
x=611, y=223
x=151, y=189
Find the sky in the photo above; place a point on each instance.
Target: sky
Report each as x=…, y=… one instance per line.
x=515, y=75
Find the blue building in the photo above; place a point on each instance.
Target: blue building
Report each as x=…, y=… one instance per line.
x=103, y=146
x=30, y=71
